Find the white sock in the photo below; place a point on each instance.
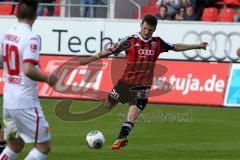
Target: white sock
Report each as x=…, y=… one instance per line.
x=35, y=154
x=8, y=154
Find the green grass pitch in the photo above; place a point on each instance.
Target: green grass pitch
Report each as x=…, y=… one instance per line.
x=163, y=132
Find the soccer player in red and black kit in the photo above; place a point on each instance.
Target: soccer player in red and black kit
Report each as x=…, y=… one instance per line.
x=142, y=51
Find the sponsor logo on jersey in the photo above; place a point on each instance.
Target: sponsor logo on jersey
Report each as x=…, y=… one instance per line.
x=34, y=48
x=154, y=44
x=145, y=52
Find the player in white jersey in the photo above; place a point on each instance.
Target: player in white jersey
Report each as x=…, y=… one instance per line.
x=22, y=113
x=2, y=141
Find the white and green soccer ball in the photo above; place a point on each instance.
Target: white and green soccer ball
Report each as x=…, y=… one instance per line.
x=95, y=140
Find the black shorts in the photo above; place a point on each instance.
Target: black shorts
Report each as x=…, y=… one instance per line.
x=131, y=94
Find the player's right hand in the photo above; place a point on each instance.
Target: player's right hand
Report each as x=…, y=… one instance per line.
x=52, y=80
x=203, y=45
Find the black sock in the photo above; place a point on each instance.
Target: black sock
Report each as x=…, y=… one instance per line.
x=125, y=130
x=2, y=146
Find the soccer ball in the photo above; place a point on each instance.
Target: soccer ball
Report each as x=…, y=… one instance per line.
x=95, y=139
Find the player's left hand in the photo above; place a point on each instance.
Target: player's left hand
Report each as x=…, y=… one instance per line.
x=203, y=45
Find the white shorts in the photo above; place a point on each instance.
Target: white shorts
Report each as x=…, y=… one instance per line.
x=30, y=124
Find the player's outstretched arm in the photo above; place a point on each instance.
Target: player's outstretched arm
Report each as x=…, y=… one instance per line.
x=102, y=54
x=115, y=49
x=185, y=47
x=34, y=74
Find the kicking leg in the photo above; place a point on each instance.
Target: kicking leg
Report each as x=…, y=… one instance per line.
x=126, y=128
x=128, y=125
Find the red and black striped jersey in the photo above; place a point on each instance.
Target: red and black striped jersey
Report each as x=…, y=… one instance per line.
x=141, y=56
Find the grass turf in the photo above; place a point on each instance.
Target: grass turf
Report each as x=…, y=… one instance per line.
x=163, y=132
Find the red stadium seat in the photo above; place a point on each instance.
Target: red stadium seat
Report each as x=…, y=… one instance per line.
x=135, y=15
x=238, y=12
x=5, y=9
x=152, y=3
x=15, y=10
x=144, y=11
x=149, y=10
x=209, y=14
x=226, y=15
x=57, y=8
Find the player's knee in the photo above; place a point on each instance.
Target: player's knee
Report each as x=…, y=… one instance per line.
x=108, y=105
x=16, y=144
x=47, y=150
x=18, y=148
x=44, y=148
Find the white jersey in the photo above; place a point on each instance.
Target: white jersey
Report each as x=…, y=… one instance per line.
x=19, y=45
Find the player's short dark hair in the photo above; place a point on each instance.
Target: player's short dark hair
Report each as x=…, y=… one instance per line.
x=27, y=9
x=150, y=19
